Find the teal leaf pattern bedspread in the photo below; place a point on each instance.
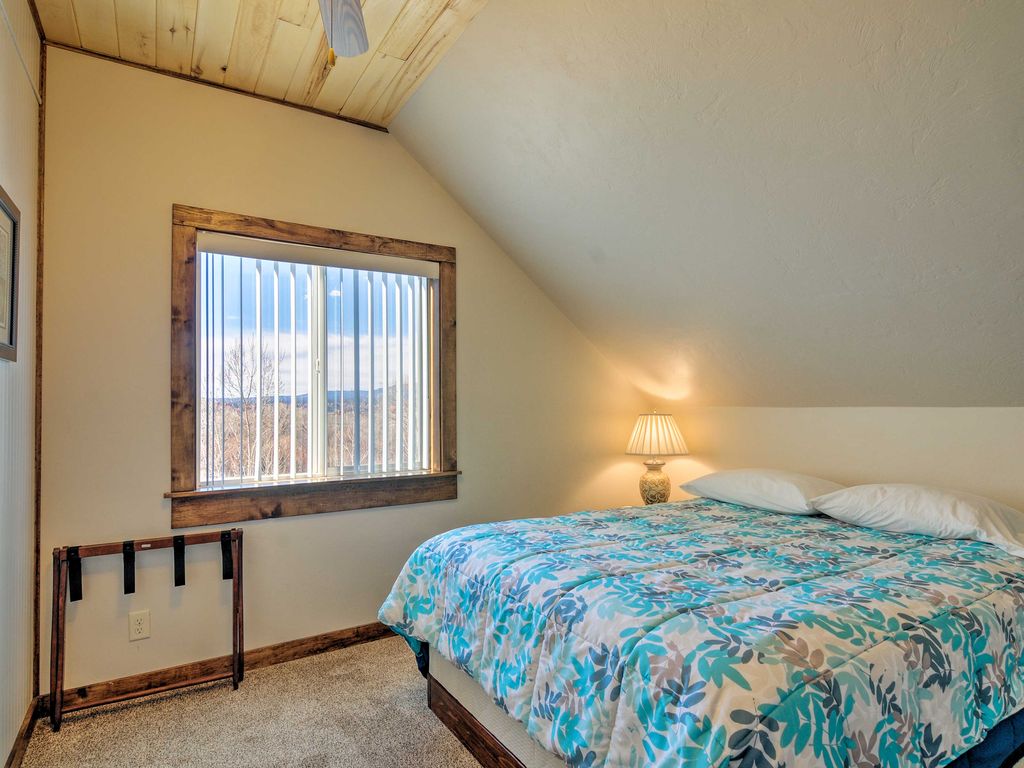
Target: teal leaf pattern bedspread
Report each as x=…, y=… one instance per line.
x=706, y=634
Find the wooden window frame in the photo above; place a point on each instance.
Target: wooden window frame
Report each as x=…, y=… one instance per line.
x=193, y=506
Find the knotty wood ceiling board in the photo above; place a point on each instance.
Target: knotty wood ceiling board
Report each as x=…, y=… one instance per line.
x=272, y=48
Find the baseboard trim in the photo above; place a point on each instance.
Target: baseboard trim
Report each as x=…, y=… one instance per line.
x=17, y=753
x=197, y=672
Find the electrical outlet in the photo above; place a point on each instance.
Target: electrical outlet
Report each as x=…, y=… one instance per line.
x=138, y=625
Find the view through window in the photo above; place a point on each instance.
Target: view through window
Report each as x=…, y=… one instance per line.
x=311, y=372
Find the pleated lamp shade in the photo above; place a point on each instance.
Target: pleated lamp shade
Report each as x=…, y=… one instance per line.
x=656, y=434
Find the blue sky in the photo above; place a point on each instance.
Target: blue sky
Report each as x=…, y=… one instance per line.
x=238, y=277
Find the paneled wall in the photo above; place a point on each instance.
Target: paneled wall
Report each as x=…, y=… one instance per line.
x=542, y=416
x=19, y=114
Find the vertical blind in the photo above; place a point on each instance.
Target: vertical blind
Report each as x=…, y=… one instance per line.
x=309, y=371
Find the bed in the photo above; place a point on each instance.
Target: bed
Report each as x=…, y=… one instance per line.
x=701, y=633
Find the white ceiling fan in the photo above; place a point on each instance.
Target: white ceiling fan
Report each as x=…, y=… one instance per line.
x=345, y=28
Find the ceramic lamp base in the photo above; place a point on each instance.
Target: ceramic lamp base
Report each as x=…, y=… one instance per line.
x=655, y=486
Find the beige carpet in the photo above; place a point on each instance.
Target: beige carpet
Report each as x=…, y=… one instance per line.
x=362, y=707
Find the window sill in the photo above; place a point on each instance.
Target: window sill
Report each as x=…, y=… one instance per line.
x=216, y=506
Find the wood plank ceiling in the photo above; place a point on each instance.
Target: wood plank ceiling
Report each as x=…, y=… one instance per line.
x=273, y=48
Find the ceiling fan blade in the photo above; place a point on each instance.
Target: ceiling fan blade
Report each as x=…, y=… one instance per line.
x=345, y=27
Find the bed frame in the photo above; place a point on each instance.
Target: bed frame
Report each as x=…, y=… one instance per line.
x=480, y=742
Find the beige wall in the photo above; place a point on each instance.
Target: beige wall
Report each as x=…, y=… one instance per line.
x=19, y=114
x=542, y=417
x=980, y=450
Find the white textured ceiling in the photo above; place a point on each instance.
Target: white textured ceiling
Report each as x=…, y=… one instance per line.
x=766, y=203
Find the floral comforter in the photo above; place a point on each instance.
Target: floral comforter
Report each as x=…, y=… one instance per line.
x=706, y=634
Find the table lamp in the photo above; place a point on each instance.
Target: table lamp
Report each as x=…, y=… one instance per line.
x=654, y=435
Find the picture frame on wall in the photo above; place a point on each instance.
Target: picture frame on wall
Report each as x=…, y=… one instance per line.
x=10, y=234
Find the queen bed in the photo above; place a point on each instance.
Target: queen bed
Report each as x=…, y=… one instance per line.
x=702, y=633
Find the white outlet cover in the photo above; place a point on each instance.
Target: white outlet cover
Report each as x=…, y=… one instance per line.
x=138, y=625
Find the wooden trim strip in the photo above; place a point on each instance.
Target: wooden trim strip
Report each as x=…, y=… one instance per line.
x=158, y=542
x=271, y=489
x=304, y=234
x=148, y=692
x=480, y=742
x=34, y=10
x=183, y=358
x=220, y=86
x=446, y=363
x=295, y=499
x=21, y=739
x=37, y=474
x=218, y=668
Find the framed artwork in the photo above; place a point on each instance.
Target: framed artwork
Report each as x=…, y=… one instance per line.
x=10, y=232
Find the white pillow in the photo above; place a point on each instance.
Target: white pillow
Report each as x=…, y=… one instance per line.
x=770, y=489
x=929, y=511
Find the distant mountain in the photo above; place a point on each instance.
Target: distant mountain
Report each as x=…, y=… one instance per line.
x=334, y=397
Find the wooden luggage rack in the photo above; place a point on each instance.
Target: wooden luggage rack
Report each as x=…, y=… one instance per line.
x=67, y=584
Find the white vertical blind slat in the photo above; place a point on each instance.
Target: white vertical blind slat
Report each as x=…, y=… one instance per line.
x=418, y=368
x=410, y=403
x=311, y=394
x=294, y=369
x=371, y=420
x=277, y=371
x=341, y=372
x=241, y=374
x=385, y=411
x=357, y=446
x=204, y=420
x=424, y=376
x=258, y=458
x=400, y=379
x=223, y=440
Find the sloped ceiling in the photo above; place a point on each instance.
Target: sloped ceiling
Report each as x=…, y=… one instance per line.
x=273, y=48
x=741, y=202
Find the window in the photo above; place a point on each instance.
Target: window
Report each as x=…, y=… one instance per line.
x=312, y=370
